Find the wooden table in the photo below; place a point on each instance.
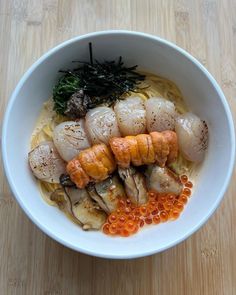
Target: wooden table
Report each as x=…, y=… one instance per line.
x=32, y=263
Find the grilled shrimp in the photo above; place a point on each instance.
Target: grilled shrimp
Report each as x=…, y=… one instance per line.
x=92, y=164
x=77, y=173
x=172, y=140
x=46, y=163
x=161, y=147
x=160, y=114
x=120, y=149
x=193, y=136
x=131, y=116
x=70, y=138
x=101, y=124
x=163, y=180
x=134, y=152
x=145, y=149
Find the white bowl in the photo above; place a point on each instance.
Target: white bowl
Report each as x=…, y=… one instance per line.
x=203, y=96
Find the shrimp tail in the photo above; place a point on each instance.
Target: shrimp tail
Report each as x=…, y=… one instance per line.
x=145, y=149
x=91, y=165
x=172, y=140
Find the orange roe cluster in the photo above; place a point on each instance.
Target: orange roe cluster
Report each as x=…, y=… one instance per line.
x=128, y=218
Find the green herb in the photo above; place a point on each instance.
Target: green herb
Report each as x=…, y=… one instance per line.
x=92, y=84
x=64, y=89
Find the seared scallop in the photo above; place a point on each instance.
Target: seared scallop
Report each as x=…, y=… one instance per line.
x=160, y=114
x=101, y=124
x=70, y=138
x=131, y=116
x=46, y=163
x=192, y=135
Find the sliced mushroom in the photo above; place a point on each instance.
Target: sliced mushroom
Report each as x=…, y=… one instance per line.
x=77, y=204
x=85, y=210
x=106, y=193
x=62, y=200
x=135, y=185
x=163, y=180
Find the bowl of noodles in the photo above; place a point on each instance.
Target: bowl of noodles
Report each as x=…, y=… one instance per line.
x=121, y=137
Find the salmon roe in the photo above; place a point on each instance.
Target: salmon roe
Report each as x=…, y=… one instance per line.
x=128, y=218
x=184, y=179
x=188, y=184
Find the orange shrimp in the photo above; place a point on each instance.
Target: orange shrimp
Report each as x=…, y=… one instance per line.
x=161, y=147
x=146, y=148
x=97, y=162
x=134, y=151
x=172, y=140
x=91, y=165
x=77, y=174
x=104, y=155
x=120, y=148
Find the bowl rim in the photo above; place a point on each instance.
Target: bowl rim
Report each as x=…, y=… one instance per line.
x=153, y=38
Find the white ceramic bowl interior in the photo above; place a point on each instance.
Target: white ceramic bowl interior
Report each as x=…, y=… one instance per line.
x=202, y=95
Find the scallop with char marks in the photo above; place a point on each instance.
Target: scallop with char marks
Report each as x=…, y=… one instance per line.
x=70, y=138
x=160, y=114
x=46, y=163
x=192, y=135
x=101, y=124
x=131, y=116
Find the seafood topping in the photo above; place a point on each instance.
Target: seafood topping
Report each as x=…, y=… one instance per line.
x=46, y=163
x=161, y=114
x=131, y=116
x=172, y=140
x=145, y=149
x=101, y=124
x=92, y=164
x=70, y=138
x=193, y=136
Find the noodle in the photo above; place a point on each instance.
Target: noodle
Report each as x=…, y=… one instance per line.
x=152, y=86
x=156, y=86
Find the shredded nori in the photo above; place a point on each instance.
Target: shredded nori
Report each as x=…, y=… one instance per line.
x=93, y=83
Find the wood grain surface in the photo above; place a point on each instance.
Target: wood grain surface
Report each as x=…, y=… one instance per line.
x=31, y=262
